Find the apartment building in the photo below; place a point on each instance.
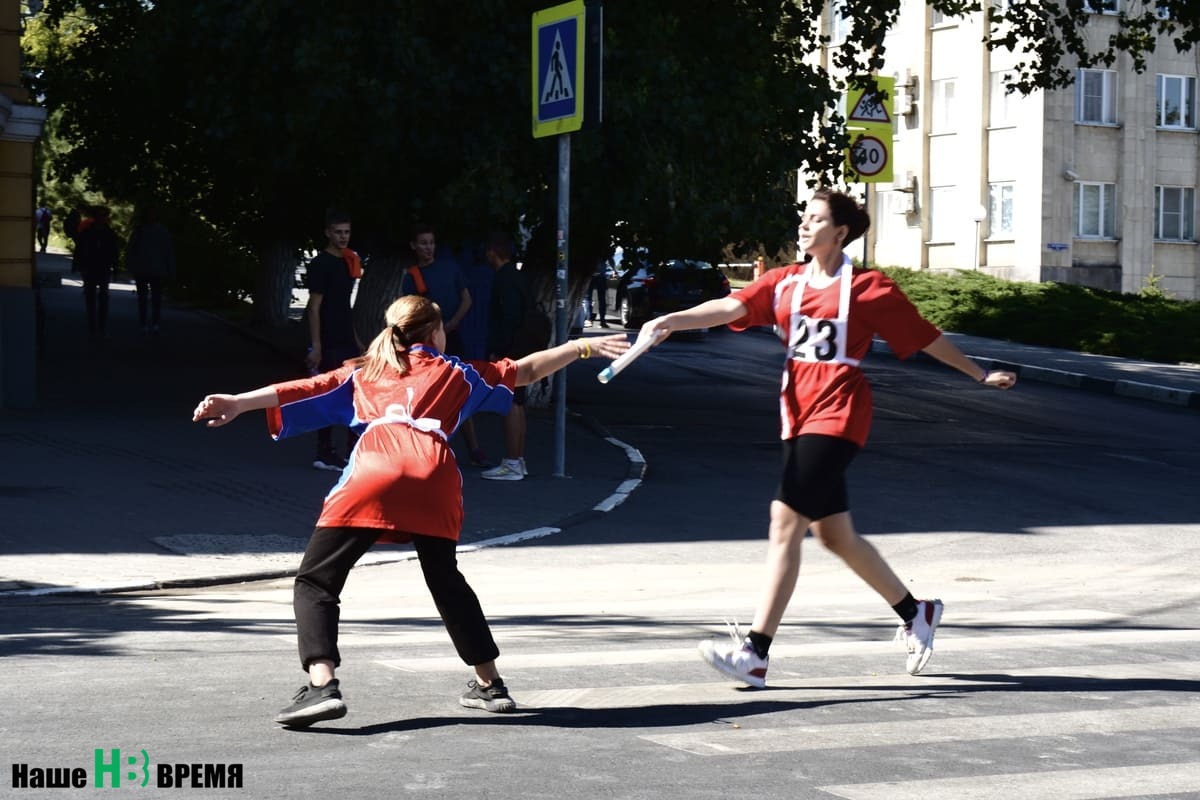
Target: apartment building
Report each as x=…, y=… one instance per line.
x=1094, y=184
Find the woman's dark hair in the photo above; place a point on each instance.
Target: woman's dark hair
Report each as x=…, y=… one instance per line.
x=845, y=210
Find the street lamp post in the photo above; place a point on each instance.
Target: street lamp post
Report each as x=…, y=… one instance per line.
x=979, y=216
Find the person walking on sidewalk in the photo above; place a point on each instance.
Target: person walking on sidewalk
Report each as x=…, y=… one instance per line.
x=97, y=253
x=405, y=397
x=151, y=258
x=330, y=279
x=827, y=313
x=507, y=307
x=442, y=281
x=41, y=221
x=599, y=285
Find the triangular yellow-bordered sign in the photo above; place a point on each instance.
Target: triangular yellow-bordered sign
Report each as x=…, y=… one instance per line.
x=870, y=106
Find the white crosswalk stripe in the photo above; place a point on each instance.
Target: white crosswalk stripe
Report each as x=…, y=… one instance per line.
x=826, y=689
x=739, y=741
x=1009, y=642
x=1090, y=784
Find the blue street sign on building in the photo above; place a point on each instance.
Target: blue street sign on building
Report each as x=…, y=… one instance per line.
x=558, y=60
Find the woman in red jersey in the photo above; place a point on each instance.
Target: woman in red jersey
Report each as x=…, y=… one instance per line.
x=826, y=313
x=405, y=399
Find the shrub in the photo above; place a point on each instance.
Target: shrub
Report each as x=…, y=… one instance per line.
x=1148, y=326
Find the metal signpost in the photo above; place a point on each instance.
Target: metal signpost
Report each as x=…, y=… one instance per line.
x=561, y=37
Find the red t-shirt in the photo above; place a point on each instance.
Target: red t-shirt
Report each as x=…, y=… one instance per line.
x=833, y=397
x=402, y=476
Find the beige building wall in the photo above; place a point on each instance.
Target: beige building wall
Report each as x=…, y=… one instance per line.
x=20, y=127
x=962, y=148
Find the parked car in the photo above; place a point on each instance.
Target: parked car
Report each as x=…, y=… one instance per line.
x=643, y=291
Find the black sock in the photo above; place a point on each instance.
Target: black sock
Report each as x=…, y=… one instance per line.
x=906, y=608
x=761, y=643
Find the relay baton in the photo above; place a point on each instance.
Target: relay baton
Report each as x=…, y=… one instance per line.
x=626, y=358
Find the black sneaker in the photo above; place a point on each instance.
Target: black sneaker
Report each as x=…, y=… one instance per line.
x=493, y=697
x=329, y=461
x=312, y=704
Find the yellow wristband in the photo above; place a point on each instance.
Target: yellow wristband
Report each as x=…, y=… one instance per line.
x=583, y=350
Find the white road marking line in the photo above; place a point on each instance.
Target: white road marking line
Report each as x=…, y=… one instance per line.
x=728, y=740
x=808, y=689
x=1076, y=784
x=1010, y=643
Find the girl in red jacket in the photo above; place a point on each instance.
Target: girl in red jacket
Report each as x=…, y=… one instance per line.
x=405, y=398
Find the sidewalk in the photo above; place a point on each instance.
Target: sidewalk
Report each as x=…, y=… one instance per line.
x=108, y=486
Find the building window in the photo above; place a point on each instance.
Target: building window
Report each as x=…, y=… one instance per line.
x=1174, y=213
x=943, y=209
x=942, y=106
x=1176, y=102
x=938, y=18
x=1102, y=6
x=838, y=22
x=1002, y=102
x=1095, y=96
x=1095, y=210
x=1000, y=210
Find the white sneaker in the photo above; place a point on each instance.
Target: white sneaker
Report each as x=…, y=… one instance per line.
x=510, y=469
x=917, y=635
x=736, y=659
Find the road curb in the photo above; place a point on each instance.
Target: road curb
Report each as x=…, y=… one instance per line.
x=636, y=469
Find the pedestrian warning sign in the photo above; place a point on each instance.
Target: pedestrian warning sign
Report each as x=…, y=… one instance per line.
x=558, y=69
x=870, y=104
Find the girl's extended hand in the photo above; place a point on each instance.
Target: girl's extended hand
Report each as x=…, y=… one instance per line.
x=1000, y=379
x=609, y=346
x=657, y=330
x=216, y=410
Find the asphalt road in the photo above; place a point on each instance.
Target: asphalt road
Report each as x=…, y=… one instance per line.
x=1059, y=527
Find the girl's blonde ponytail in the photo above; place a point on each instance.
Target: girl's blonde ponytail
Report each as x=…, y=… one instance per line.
x=411, y=319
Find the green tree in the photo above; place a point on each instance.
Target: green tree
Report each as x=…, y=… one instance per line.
x=1056, y=35
x=254, y=116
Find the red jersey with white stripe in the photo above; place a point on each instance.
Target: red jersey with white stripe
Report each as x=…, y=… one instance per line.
x=402, y=477
x=827, y=332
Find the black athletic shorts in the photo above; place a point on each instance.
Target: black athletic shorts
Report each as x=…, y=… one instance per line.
x=814, y=475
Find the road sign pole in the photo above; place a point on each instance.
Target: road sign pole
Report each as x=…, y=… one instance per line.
x=867, y=207
x=563, y=326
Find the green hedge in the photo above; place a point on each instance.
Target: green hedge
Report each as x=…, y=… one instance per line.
x=1145, y=326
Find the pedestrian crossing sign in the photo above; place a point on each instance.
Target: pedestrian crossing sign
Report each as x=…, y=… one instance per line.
x=558, y=69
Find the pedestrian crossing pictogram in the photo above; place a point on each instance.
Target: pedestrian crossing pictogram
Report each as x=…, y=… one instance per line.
x=558, y=80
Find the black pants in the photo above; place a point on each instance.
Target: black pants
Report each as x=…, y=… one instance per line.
x=95, y=299
x=330, y=554
x=149, y=299
x=599, y=285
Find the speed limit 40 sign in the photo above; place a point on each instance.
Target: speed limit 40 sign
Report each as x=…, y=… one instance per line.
x=869, y=158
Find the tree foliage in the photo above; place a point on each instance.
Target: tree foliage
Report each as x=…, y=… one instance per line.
x=252, y=117
x=1055, y=36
